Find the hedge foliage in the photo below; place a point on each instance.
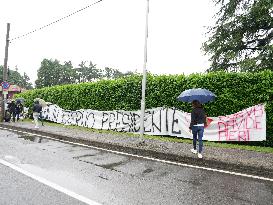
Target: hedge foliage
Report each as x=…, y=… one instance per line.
x=235, y=91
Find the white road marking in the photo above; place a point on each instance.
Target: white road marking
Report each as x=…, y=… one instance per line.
x=151, y=158
x=9, y=157
x=50, y=184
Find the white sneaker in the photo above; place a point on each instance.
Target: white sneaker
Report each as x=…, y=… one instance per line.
x=200, y=155
x=36, y=127
x=194, y=151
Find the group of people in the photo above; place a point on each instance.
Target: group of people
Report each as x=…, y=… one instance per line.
x=197, y=125
x=14, y=111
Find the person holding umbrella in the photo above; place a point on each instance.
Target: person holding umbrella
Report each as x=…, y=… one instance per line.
x=43, y=104
x=198, y=116
x=198, y=120
x=37, y=108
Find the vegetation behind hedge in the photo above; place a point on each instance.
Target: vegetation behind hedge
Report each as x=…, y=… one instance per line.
x=235, y=92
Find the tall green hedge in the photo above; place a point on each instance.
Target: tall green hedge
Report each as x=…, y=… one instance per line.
x=235, y=91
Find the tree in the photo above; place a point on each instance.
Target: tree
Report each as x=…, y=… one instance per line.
x=87, y=73
x=67, y=73
x=48, y=73
x=52, y=72
x=129, y=73
x=15, y=78
x=242, y=39
x=111, y=73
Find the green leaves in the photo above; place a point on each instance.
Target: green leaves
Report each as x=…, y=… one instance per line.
x=235, y=91
x=15, y=78
x=242, y=37
x=52, y=72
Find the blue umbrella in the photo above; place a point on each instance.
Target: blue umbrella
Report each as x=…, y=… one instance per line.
x=202, y=95
x=21, y=100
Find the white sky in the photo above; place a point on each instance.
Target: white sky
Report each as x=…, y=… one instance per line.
x=110, y=33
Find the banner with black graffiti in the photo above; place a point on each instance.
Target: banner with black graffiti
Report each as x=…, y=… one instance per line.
x=246, y=125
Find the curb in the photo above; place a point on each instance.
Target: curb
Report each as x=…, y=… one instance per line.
x=208, y=163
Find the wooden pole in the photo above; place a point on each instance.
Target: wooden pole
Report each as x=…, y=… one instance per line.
x=5, y=73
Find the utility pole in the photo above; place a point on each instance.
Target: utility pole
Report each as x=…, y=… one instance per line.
x=5, y=73
x=144, y=75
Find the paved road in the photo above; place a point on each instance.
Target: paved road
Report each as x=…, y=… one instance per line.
x=109, y=178
x=18, y=189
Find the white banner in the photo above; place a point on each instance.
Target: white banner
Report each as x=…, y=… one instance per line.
x=246, y=125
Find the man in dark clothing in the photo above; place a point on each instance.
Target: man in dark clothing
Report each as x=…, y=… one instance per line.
x=12, y=109
x=18, y=109
x=37, y=108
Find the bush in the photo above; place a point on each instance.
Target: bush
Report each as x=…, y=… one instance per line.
x=235, y=92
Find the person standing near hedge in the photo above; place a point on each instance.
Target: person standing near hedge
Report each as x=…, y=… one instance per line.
x=198, y=120
x=18, y=109
x=12, y=109
x=37, y=108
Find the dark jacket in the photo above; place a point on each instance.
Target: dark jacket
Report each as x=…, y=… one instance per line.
x=19, y=108
x=12, y=107
x=198, y=116
x=37, y=107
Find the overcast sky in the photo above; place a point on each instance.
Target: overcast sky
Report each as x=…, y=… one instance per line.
x=110, y=34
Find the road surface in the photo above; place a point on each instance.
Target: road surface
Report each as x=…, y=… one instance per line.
x=35, y=170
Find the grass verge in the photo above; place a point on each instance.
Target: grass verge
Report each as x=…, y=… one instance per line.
x=167, y=138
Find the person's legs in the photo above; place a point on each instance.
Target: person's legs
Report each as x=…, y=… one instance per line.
x=35, y=117
x=13, y=116
x=17, y=116
x=41, y=118
x=194, y=135
x=200, y=138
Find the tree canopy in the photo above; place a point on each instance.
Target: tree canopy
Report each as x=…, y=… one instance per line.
x=15, y=78
x=52, y=72
x=242, y=39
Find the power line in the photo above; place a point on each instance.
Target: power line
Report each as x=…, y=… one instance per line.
x=47, y=25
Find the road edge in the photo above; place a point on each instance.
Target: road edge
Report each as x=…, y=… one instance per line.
x=209, y=163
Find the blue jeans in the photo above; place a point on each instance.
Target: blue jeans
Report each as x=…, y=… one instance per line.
x=198, y=130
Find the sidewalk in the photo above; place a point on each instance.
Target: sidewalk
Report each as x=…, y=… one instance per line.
x=243, y=161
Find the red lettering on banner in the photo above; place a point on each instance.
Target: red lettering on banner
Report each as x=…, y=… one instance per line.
x=258, y=111
x=249, y=112
x=243, y=135
x=231, y=123
x=239, y=126
x=239, y=121
x=249, y=122
x=257, y=124
x=231, y=134
x=222, y=118
x=222, y=131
